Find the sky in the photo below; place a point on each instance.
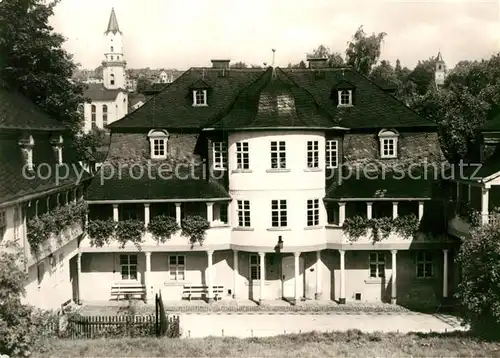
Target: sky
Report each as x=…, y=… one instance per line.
x=185, y=33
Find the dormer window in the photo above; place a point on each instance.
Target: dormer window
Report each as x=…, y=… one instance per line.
x=27, y=145
x=345, y=97
x=158, y=140
x=388, y=144
x=199, y=97
x=57, y=144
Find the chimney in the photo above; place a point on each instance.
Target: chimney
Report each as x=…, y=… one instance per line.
x=221, y=64
x=317, y=62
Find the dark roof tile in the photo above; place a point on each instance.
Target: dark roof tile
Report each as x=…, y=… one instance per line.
x=97, y=92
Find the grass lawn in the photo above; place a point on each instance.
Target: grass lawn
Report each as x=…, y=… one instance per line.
x=338, y=344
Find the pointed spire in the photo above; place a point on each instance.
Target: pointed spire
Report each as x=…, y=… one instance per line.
x=113, y=23
x=439, y=57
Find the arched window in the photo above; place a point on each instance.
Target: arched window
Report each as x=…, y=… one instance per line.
x=112, y=79
x=104, y=115
x=158, y=140
x=93, y=116
x=388, y=143
x=345, y=97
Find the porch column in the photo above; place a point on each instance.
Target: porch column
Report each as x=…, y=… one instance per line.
x=369, y=207
x=420, y=210
x=318, y=275
x=341, y=213
x=394, y=209
x=115, y=212
x=342, y=277
x=484, y=205
x=229, y=213
x=210, y=213
x=445, y=274
x=147, y=276
x=394, y=277
x=236, y=272
x=262, y=256
x=296, y=267
x=178, y=215
x=146, y=214
x=210, y=276
x=79, y=277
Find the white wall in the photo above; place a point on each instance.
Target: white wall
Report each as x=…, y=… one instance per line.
x=116, y=110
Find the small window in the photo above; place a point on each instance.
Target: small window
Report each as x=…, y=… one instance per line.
x=112, y=77
x=111, y=49
x=278, y=213
x=278, y=155
x=158, y=144
x=313, y=212
x=377, y=265
x=112, y=58
x=242, y=155
x=425, y=267
x=313, y=154
x=3, y=224
x=104, y=115
x=388, y=144
x=220, y=155
x=93, y=116
x=254, y=267
x=243, y=213
x=345, y=97
x=128, y=267
x=177, y=267
x=332, y=155
x=199, y=97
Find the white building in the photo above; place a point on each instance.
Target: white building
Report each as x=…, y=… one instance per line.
x=109, y=98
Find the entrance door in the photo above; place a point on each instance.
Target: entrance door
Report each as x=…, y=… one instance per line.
x=288, y=272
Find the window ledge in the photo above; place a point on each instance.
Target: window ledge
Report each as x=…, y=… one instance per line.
x=374, y=281
x=315, y=227
x=235, y=171
x=313, y=169
x=200, y=105
x=333, y=226
x=257, y=283
x=331, y=168
x=163, y=157
x=176, y=283
x=216, y=225
x=345, y=105
x=278, y=170
x=222, y=169
x=279, y=229
x=395, y=157
x=242, y=228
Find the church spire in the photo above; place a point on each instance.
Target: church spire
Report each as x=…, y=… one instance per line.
x=113, y=23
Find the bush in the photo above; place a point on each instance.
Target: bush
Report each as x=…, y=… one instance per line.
x=478, y=292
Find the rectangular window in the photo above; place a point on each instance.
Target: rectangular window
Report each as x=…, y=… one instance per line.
x=331, y=156
x=278, y=155
x=377, y=265
x=254, y=267
x=200, y=97
x=313, y=212
x=388, y=148
x=242, y=155
x=3, y=224
x=243, y=213
x=128, y=267
x=104, y=115
x=424, y=264
x=312, y=154
x=220, y=155
x=278, y=213
x=177, y=267
x=158, y=148
x=93, y=116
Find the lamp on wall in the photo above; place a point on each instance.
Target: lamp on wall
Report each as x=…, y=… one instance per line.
x=280, y=243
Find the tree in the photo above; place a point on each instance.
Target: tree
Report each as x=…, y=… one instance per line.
x=363, y=51
x=34, y=62
x=143, y=83
x=384, y=73
x=239, y=64
x=423, y=75
x=478, y=291
x=335, y=59
x=301, y=64
x=98, y=72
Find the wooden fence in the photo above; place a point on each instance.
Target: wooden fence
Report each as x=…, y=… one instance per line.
x=90, y=327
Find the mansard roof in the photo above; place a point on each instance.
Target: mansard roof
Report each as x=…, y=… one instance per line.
x=247, y=98
x=97, y=92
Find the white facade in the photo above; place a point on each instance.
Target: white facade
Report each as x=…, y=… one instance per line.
x=114, y=63
x=94, y=112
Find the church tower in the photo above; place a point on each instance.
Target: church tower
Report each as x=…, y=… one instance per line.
x=440, y=72
x=113, y=66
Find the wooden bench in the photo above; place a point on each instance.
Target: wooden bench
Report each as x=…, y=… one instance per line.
x=200, y=291
x=128, y=289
